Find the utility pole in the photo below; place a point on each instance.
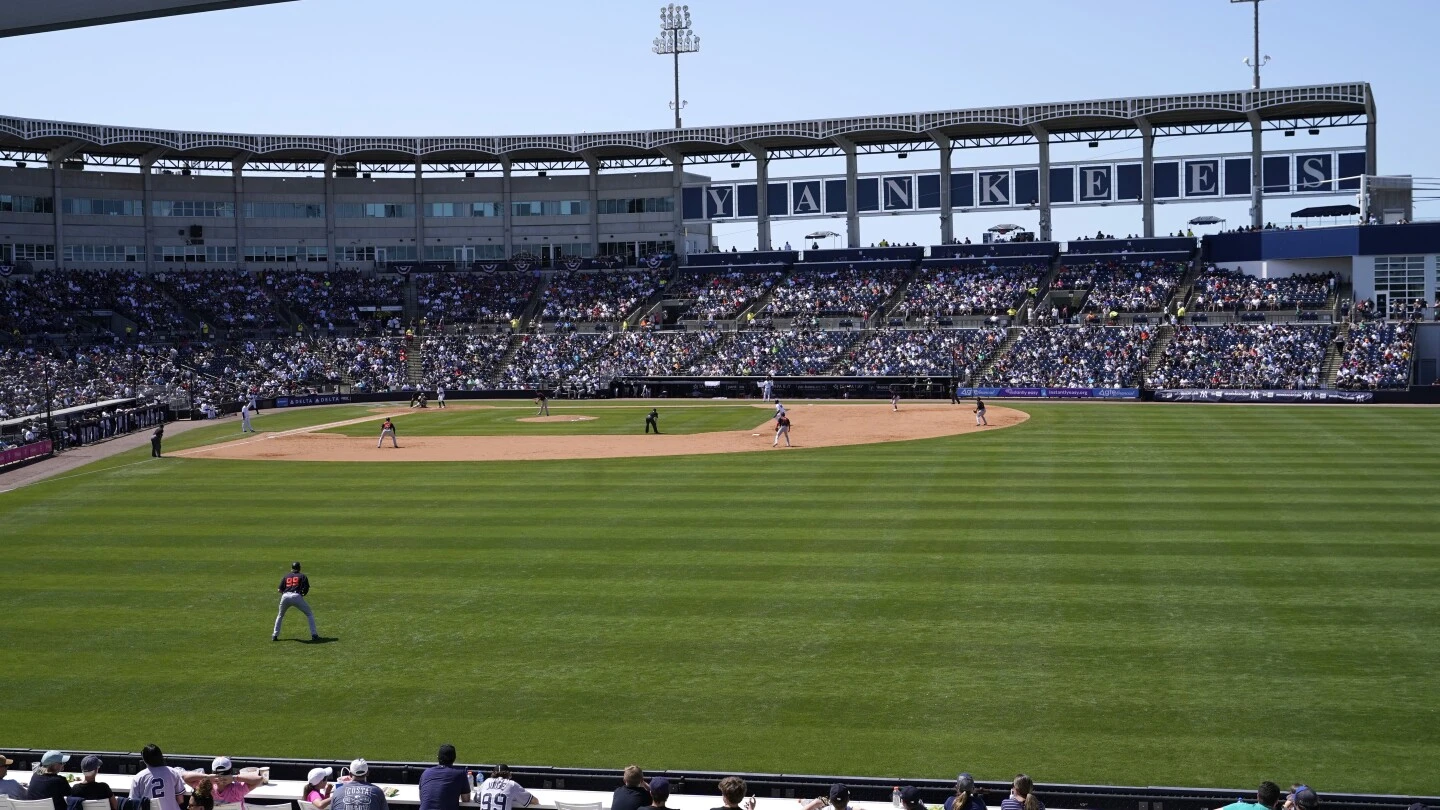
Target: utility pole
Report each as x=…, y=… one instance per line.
x=676, y=37
x=1255, y=62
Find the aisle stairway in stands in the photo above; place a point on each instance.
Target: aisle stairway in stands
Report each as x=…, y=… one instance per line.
x=1187, y=284
x=758, y=305
x=1334, y=356
x=1163, y=338
x=889, y=305
x=411, y=301
x=415, y=365
x=1011, y=335
x=535, y=306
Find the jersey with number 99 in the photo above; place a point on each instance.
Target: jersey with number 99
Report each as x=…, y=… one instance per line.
x=499, y=793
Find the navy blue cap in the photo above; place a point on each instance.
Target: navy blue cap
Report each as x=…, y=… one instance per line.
x=659, y=786
x=911, y=795
x=839, y=793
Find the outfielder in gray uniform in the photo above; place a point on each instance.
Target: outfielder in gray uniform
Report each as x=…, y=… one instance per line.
x=293, y=588
x=245, y=419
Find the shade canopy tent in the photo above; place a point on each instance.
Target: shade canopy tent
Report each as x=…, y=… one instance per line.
x=1004, y=227
x=1207, y=220
x=1326, y=211
x=822, y=235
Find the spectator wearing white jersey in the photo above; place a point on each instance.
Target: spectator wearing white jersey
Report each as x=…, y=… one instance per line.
x=160, y=783
x=500, y=792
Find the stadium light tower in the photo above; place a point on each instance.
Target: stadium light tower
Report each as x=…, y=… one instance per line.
x=1254, y=62
x=676, y=37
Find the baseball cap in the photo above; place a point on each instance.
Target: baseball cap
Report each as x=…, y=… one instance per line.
x=53, y=758
x=222, y=766
x=90, y=764
x=911, y=795
x=318, y=775
x=839, y=793
x=294, y=566
x=1305, y=797
x=659, y=786
x=4, y=760
x=965, y=782
x=359, y=767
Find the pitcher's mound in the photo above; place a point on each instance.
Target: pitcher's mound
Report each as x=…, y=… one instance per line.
x=568, y=417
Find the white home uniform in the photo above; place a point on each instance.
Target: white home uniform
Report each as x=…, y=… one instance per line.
x=245, y=419
x=499, y=793
x=162, y=785
x=440, y=396
x=779, y=410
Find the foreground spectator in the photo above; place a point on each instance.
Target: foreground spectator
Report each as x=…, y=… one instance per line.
x=1266, y=798
x=317, y=789
x=9, y=787
x=89, y=788
x=633, y=794
x=358, y=793
x=1022, y=796
x=659, y=792
x=967, y=796
x=1302, y=798
x=732, y=794
x=910, y=798
x=160, y=783
x=444, y=786
x=228, y=785
x=502, y=791
x=47, y=783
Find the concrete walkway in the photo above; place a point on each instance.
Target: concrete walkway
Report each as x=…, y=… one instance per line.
x=80, y=456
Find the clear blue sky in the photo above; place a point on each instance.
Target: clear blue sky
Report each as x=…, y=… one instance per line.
x=472, y=67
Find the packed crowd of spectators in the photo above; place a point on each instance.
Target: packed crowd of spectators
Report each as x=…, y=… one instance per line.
x=720, y=296
x=49, y=301
x=782, y=353
x=1221, y=291
x=594, y=297
x=964, y=291
x=447, y=298
x=326, y=300
x=89, y=374
x=1244, y=355
x=1376, y=355
x=225, y=299
x=1139, y=287
x=834, y=293
x=1075, y=357
x=462, y=362
x=932, y=352
x=658, y=354
x=549, y=359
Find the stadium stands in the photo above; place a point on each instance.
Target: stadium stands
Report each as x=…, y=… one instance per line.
x=463, y=362
x=1377, y=355
x=721, y=295
x=932, y=352
x=967, y=291
x=1219, y=290
x=333, y=299
x=228, y=299
x=591, y=297
x=451, y=298
x=1251, y=355
x=1074, y=357
x=789, y=352
x=1142, y=287
x=834, y=293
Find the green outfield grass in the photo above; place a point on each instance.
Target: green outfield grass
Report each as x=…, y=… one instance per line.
x=604, y=418
x=1164, y=595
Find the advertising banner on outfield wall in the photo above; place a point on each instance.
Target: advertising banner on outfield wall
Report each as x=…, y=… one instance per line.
x=311, y=399
x=1253, y=395
x=25, y=452
x=1052, y=393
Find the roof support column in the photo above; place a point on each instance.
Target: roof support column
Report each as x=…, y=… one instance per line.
x=852, y=210
x=330, y=246
x=56, y=159
x=594, y=209
x=1370, y=137
x=1147, y=177
x=505, y=205
x=419, y=211
x=1042, y=139
x=1257, y=182
x=147, y=163
x=677, y=189
x=947, y=225
x=762, y=195
x=237, y=173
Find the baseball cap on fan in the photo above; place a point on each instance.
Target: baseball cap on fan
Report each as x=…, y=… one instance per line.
x=910, y=797
x=318, y=775
x=222, y=766
x=91, y=764
x=53, y=758
x=359, y=767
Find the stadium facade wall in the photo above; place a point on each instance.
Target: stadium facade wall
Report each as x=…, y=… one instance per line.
x=329, y=232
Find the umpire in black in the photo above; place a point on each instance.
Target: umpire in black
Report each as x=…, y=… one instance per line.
x=155, y=440
x=652, y=420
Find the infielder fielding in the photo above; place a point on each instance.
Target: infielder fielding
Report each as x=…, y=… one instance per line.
x=245, y=419
x=544, y=403
x=980, y=413
x=387, y=428
x=782, y=428
x=440, y=397
x=652, y=420
x=894, y=398
x=293, y=588
x=779, y=409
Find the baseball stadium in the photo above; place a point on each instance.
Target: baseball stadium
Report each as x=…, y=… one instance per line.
x=1094, y=455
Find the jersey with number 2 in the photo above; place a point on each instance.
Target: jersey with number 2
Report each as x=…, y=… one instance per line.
x=496, y=793
x=162, y=785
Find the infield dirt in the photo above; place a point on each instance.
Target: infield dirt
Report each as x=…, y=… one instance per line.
x=813, y=425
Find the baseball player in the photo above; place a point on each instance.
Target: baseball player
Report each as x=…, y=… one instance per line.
x=980, y=413
x=155, y=439
x=544, y=403
x=782, y=428
x=440, y=397
x=767, y=387
x=293, y=588
x=894, y=399
x=779, y=409
x=254, y=402
x=652, y=420
x=387, y=428
x=245, y=426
